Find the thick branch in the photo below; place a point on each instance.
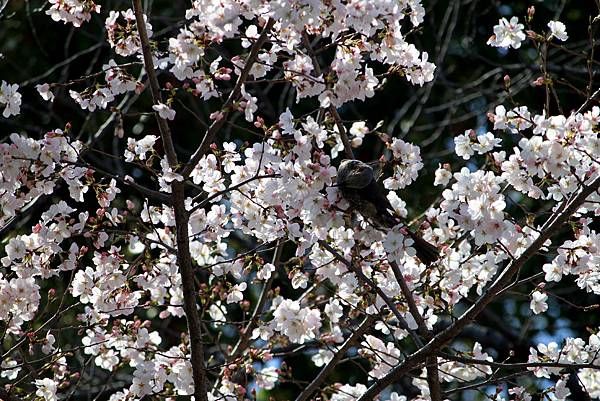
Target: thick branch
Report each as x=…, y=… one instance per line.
x=468, y=316
x=165, y=131
x=343, y=134
x=184, y=259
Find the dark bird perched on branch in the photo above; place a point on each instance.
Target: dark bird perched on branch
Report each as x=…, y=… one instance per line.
x=357, y=183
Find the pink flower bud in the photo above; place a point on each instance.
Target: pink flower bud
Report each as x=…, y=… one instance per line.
x=139, y=88
x=538, y=82
x=217, y=115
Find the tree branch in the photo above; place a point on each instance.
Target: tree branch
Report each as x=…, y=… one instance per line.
x=244, y=339
x=350, y=341
x=184, y=259
x=519, y=365
x=433, y=375
x=444, y=337
x=214, y=128
x=332, y=110
x=229, y=189
x=366, y=280
x=6, y=396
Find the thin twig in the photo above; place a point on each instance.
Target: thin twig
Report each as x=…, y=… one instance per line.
x=339, y=354
x=214, y=128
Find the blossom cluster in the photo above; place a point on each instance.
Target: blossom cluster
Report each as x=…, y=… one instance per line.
x=511, y=33
x=507, y=34
x=124, y=261
x=10, y=98
x=350, y=75
x=122, y=32
x=118, y=81
x=579, y=258
x=571, y=351
x=75, y=12
x=31, y=167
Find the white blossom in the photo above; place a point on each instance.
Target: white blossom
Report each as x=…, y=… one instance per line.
x=558, y=30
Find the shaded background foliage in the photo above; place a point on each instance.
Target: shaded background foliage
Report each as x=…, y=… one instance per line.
x=469, y=83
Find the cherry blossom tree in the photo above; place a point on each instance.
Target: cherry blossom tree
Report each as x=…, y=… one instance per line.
x=195, y=244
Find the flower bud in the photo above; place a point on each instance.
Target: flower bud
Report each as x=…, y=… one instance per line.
x=539, y=81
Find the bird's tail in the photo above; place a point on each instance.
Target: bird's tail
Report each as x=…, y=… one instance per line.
x=426, y=252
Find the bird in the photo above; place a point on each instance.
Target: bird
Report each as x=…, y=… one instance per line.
x=358, y=185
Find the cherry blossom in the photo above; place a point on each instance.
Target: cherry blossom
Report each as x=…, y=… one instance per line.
x=507, y=34
x=558, y=30
x=10, y=98
x=251, y=239
x=123, y=36
x=164, y=111
x=46, y=388
x=538, y=302
x=75, y=12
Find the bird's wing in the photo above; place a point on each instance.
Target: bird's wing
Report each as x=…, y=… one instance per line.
x=374, y=193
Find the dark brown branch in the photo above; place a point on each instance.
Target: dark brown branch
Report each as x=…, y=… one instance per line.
x=433, y=375
x=340, y=125
x=468, y=316
x=366, y=280
x=350, y=341
x=229, y=189
x=184, y=259
x=150, y=193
